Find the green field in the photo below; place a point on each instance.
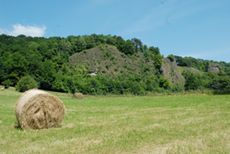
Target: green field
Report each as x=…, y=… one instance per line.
x=125, y=124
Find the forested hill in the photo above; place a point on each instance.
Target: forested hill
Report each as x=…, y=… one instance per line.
x=102, y=64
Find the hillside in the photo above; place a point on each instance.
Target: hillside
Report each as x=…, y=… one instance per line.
x=108, y=60
x=104, y=64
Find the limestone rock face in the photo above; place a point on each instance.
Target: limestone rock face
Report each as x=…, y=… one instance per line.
x=172, y=73
x=213, y=68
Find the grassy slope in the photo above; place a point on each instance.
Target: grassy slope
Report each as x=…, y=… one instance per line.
x=147, y=124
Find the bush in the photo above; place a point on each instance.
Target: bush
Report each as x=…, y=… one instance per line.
x=171, y=57
x=192, y=81
x=221, y=85
x=71, y=86
x=26, y=83
x=7, y=83
x=163, y=83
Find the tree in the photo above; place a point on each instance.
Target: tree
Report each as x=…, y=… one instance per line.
x=137, y=44
x=47, y=74
x=163, y=83
x=154, y=50
x=26, y=83
x=153, y=54
x=47, y=61
x=71, y=86
x=221, y=84
x=193, y=81
x=171, y=57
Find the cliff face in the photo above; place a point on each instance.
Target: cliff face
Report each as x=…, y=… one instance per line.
x=172, y=73
x=214, y=68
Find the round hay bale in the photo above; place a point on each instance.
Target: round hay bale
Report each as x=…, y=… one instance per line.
x=78, y=95
x=37, y=109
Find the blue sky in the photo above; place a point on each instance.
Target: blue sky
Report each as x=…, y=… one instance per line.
x=198, y=28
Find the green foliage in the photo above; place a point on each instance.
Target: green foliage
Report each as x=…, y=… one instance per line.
x=154, y=50
x=60, y=83
x=138, y=45
x=152, y=83
x=192, y=81
x=171, y=58
x=164, y=83
x=7, y=83
x=127, y=47
x=200, y=64
x=47, y=61
x=71, y=86
x=221, y=84
x=26, y=83
x=153, y=54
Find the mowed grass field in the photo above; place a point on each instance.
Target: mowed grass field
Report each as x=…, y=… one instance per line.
x=125, y=124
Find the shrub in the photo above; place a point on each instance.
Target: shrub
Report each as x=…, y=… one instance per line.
x=221, y=85
x=164, y=83
x=192, y=81
x=26, y=83
x=171, y=57
x=7, y=83
x=71, y=86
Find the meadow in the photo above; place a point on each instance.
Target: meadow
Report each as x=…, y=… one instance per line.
x=191, y=123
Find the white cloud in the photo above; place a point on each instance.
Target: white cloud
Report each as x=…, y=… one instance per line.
x=18, y=29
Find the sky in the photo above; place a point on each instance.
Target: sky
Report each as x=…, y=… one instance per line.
x=197, y=28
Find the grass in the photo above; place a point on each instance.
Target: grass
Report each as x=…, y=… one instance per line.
x=125, y=124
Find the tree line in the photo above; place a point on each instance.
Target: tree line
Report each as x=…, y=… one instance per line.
x=27, y=62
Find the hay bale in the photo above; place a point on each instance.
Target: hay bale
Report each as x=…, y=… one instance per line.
x=38, y=109
x=78, y=95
